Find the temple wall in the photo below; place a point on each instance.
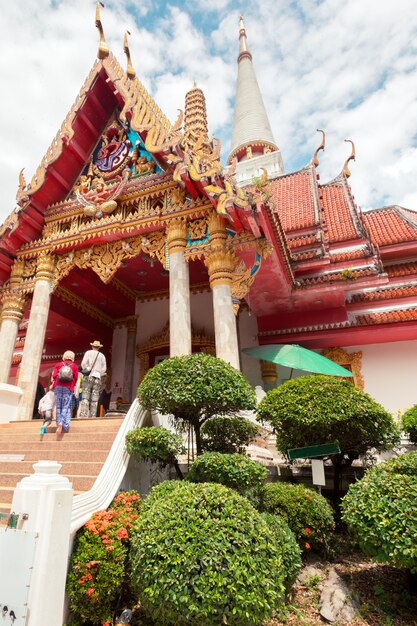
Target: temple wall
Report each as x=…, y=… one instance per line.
x=390, y=373
x=118, y=360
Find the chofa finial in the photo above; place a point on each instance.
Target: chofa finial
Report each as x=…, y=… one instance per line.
x=322, y=146
x=130, y=70
x=103, y=49
x=352, y=156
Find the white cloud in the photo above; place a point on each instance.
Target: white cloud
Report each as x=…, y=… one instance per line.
x=349, y=68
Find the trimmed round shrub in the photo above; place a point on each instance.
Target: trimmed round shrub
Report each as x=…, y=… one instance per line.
x=97, y=573
x=324, y=409
x=307, y=513
x=232, y=470
x=409, y=423
x=163, y=490
x=290, y=551
x=380, y=511
x=155, y=444
x=227, y=434
x=195, y=387
x=203, y=555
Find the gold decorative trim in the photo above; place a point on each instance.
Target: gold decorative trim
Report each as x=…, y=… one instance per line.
x=199, y=339
x=269, y=371
x=176, y=233
x=352, y=362
x=13, y=306
x=45, y=267
x=84, y=306
x=221, y=265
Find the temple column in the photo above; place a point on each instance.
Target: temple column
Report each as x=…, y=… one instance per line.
x=131, y=324
x=35, y=336
x=221, y=264
x=269, y=375
x=11, y=315
x=179, y=290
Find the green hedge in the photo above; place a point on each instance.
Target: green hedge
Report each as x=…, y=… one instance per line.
x=380, y=511
x=203, y=555
x=409, y=423
x=155, y=444
x=290, y=550
x=227, y=434
x=307, y=513
x=232, y=470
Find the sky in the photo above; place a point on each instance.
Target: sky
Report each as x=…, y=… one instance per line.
x=348, y=67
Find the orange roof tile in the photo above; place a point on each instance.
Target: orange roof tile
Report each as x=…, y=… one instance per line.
x=293, y=198
x=390, y=226
x=401, y=269
x=387, y=317
x=337, y=214
x=385, y=294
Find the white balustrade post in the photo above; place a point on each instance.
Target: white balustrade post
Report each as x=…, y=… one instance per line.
x=45, y=497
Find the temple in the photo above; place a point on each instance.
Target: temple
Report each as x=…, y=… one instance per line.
x=131, y=231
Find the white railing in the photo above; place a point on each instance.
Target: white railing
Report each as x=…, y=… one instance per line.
x=111, y=475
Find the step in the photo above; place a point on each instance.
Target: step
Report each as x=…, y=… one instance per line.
x=88, y=468
x=67, y=455
x=6, y=496
x=111, y=422
x=52, y=443
x=81, y=483
x=29, y=437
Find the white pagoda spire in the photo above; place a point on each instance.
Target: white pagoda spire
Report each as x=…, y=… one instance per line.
x=251, y=134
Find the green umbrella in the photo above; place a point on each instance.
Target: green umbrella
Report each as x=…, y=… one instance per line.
x=298, y=358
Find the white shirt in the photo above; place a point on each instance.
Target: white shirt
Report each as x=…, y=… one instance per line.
x=46, y=403
x=93, y=357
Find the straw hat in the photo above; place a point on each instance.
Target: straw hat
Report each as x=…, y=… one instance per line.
x=96, y=344
x=68, y=355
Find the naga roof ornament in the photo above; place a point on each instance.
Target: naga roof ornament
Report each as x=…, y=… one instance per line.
x=130, y=70
x=103, y=48
x=322, y=146
x=352, y=157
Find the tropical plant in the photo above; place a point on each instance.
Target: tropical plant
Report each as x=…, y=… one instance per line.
x=409, y=423
x=307, y=513
x=155, y=444
x=97, y=573
x=380, y=511
x=205, y=556
x=290, y=551
x=232, y=470
x=227, y=434
x=313, y=410
x=194, y=388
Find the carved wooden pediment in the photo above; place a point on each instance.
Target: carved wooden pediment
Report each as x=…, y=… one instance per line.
x=352, y=362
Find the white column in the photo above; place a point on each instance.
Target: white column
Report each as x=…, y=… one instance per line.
x=130, y=392
x=45, y=498
x=221, y=263
x=11, y=316
x=35, y=336
x=225, y=329
x=179, y=290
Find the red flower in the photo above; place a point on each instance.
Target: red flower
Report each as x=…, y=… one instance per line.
x=90, y=591
x=307, y=531
x=308, y=546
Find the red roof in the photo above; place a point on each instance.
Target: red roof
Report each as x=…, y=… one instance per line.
x=390, y=226
x=337, y=214
x=293, y=198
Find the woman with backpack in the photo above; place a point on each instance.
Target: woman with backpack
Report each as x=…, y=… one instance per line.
x=64, y=377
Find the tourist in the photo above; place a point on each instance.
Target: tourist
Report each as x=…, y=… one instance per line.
x=40, y=392
x=64, y=377
x=45, y=408
x=93, y=366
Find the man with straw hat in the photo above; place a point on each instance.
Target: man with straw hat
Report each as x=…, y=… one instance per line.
x=93, y=367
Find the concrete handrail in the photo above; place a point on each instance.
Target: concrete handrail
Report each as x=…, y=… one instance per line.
x=111, y=475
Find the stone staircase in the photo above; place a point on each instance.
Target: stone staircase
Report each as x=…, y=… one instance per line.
x=81, y=452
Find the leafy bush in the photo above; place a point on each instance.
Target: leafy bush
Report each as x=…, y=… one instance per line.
x=155, y=444
x=98, y=565
x=227, y=434
x=307, y=513
x=380, y=511
x=203, y=555
x=163, y=490
x=232, y=470
x=313, y=410
x=409, y=423
x=194, y=388
x=290, y=551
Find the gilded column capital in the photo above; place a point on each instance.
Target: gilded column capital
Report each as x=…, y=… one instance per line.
x=13, y=306
x=269, y=371
x=16, y=273
x=216, y=229
x=221, y=264
x=132, y=324
x=45, y=267
x=176, y=232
